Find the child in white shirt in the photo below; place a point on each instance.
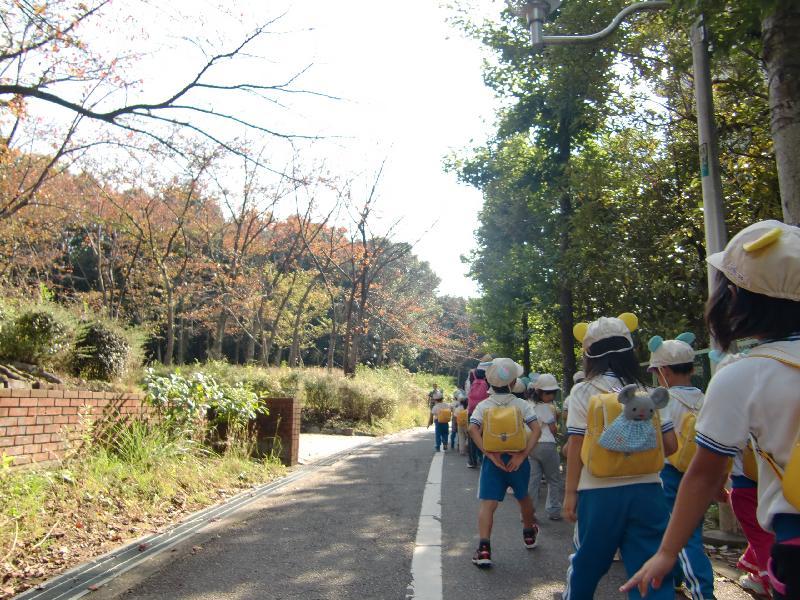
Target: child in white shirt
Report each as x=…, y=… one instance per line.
x=757, y=295
x=544, y=458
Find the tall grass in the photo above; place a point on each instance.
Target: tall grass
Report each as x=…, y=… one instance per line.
x=374, y=401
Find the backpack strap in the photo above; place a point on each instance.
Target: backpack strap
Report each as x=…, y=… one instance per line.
x=788, y=360
x=693, y=409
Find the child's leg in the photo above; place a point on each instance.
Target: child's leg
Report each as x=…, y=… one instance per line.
x=646, y=522
x=486, y=518
x=601, y=520
x=438, y=430
x=551, y=465
x=445, y=431
x=536, y=474
x=744, y=502
x=527, y=512
x=453, y=433
x=693, y=567
x=462, y=441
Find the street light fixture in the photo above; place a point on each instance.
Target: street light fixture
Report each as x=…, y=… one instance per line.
x=536, y=13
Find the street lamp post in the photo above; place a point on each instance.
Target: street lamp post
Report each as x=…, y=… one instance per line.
x=536, y=13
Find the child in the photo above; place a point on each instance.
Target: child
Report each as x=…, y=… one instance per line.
x=462, y=423
x=454, y=405
x=434, y=395
x=544, y=459
x=744, y=503
x=627, y=513
x=757, y=295
x=501, y=471
x=441, y=425
x=477, y=391
x=673, y=363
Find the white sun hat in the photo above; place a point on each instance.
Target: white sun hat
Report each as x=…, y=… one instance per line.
x=763, y=258
x=547, y=383
x=578, y=377
x=604, y=328
x=517, y=387
x=502, y=372
x=664, y=353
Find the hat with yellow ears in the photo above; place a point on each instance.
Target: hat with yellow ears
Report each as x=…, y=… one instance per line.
x=763, y=258
x=603, y=328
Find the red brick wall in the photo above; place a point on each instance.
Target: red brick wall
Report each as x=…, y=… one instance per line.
x=39, y=425
x=283, y=420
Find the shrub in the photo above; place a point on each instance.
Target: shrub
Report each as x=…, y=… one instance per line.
x=184, y=401
x=35, y=336
x=100, y=353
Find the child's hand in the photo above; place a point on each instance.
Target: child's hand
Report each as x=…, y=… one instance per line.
x=517, y=458
x=498, y=462
x=722, y=496
x=570, y=508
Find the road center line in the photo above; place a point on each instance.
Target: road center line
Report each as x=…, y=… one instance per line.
x=426, y=565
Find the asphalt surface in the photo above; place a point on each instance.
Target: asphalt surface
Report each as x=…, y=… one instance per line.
x=348, y=531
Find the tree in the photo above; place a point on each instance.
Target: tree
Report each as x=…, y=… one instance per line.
x=46, y=61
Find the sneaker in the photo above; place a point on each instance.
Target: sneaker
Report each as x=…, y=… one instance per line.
x=751, y=584
x=529, y=537
x=483, y=556
x=445, y=447
x=554, y=517
x=472, y=466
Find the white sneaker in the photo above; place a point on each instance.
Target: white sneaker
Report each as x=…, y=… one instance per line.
x=751, y=584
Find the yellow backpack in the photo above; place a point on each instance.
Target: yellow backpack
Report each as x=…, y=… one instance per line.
x=790, y=474
x=444, y=415
x=462, y=418
x=601, y=462
x=504, y=429
x=687, y=446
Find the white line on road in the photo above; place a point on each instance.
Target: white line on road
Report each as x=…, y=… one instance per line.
x=426, y=565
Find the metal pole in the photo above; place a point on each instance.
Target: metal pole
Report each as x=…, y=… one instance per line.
x=716, y=234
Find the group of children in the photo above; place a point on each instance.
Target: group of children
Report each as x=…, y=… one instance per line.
x=644, y=465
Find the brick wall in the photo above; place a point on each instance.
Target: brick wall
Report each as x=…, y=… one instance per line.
x=39, y=425
x=282, y=421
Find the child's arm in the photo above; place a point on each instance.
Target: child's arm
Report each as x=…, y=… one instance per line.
x=670, y=442
x=574, y=466
x=517, y=458
x=475, y=433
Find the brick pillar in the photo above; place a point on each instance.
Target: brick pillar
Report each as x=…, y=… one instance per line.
x=282, y=422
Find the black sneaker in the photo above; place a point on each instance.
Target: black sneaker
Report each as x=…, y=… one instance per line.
x=529, y=537
x=472, y=465
x=483, y=556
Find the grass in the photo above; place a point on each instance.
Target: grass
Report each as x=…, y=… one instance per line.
x=146, y=478
x=375, y=401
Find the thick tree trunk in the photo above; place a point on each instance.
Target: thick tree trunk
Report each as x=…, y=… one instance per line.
x=181, y=357
x=781, y=46
x=250, y=346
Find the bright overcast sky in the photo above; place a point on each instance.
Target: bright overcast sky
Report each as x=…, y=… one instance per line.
x=413, y=92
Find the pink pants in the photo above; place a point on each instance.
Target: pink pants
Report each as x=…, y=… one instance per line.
x=744, y=502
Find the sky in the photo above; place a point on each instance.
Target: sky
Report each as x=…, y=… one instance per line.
x=412, y=93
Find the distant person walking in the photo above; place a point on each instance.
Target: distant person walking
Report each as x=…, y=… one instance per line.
x=544, y=457
x=477, y=389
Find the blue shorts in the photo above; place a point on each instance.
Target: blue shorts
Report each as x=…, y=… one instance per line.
x=494, y=482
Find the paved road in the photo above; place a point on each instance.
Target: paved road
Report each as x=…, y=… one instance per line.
x=349, y=531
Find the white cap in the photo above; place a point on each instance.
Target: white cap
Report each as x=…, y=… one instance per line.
x=517, y=387
x=670, y=352
x=546, y=383
x=763, y=258
x=603, y=328
x=502, y=372
x=578, y=377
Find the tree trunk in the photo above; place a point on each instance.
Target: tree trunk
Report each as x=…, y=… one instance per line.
x=182, y=337
x=332, y=341
x=170, y=350
x=250, y=346
x=349, y=369
x=781, y=47
x=294, y=352
x=526, y=343
x=219, y=334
